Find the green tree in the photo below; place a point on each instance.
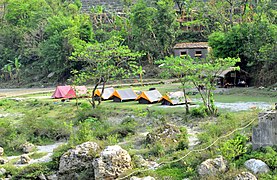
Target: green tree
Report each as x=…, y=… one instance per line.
x=154, y=28
x=105, y=61
x=204, y=72
x=199, y=72
x=180, y=67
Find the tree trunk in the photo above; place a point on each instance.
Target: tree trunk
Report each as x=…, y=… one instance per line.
x=186, y=100
x=92, y=102
x=102, y=91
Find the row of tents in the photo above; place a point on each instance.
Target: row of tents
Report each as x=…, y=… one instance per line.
x=145, y=97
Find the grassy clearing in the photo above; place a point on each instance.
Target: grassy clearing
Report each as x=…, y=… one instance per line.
x=43, y=121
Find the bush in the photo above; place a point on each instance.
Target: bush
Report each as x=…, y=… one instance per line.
x=183, y=142
x=39, y=128
x=200, y=112
x=234, y=148
x=266, y=154
x=32, y=171
x=157, y=149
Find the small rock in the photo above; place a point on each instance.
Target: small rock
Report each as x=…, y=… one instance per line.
x=1, y=151
x=24, y=159
x=139, y=161
x=3, y=161
x=2, y=171
x=52, y=177
x=27, y=147
x=51, y=74
x=212, y=166
x=42, y=177
x=256, y=166
x=245, y=176
x=112, y=162
x=143, y=178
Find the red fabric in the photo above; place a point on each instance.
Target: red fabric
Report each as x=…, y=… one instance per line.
x=64, y=92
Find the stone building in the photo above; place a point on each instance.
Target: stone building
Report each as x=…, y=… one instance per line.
x=193, y=49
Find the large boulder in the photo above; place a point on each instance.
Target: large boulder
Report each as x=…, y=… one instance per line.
x=143, y=178
x=245, y=176
x=76, y=160
x=212, y=166
x=27, y=147
x=112, y=162
x=1, y=151
x=256, y=166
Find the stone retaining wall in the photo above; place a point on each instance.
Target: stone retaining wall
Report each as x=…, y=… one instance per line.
x=266, y=132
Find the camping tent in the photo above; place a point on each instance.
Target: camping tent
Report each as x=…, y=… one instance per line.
x=81, y=91
x=123, y=95
x=174, y=98
x=148, y=97
x=108, y=92
x=64, y=92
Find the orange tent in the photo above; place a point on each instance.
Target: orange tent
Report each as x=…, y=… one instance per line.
x=174, y=98
x=108, y=92
x=124, y=95
x=148, y=97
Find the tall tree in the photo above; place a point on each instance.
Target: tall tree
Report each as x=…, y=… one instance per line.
x=104, y=61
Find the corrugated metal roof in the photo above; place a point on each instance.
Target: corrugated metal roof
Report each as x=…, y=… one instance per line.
x=152, y=96
x=108, y=92
x=176, y=98
x=191, y=45
x=126, y=94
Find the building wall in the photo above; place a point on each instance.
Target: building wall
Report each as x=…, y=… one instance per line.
x=266, y=132
x=191, y=52
x=109, y=5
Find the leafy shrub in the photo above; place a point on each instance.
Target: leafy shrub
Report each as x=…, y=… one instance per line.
x=39, y=128
x=200, y=112
x=157, y=149
x=183, y=142
x=32, y=171
x=267, y=154
x=170, y=173
x=234, y=148
x=10, y=137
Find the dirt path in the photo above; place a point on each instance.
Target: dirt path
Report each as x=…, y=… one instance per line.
x=48, y=149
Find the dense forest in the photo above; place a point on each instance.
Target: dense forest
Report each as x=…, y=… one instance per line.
x=53, y=41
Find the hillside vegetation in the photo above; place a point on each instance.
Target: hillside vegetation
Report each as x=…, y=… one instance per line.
x=43, y=41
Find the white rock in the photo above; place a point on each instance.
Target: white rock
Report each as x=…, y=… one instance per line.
x=24, y=159
x=27, y=147
x=256, y=166
x=52, y=177
x=3, y=161
x=78, y=159
x=1, y=151
x=112, y=162
x=212, y=166
x=2, y=171
x=245, y=176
